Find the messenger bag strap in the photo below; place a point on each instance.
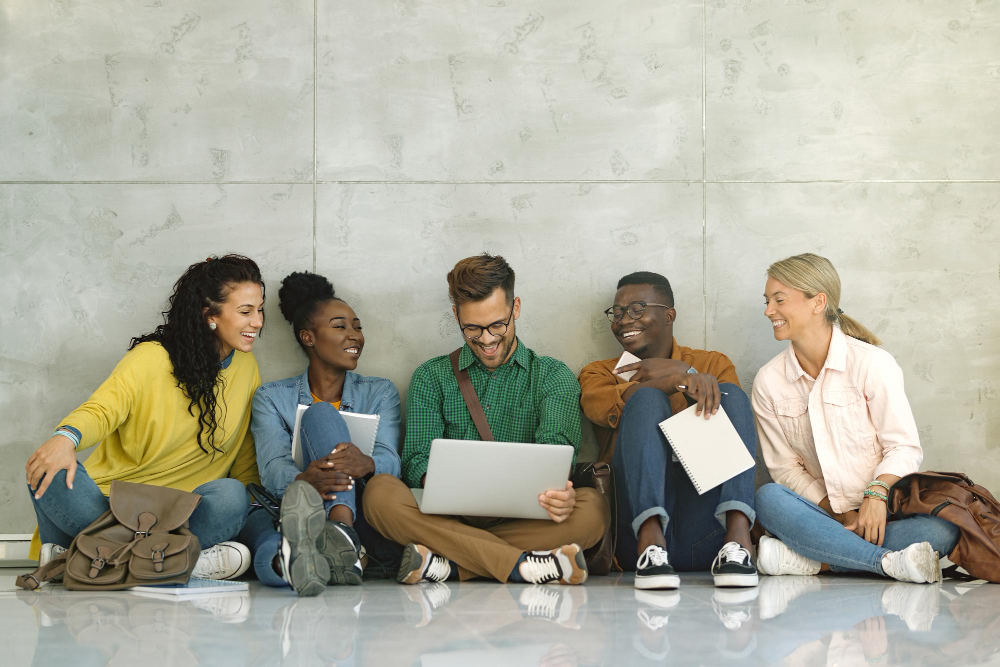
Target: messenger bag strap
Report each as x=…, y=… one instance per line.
x=471, y=400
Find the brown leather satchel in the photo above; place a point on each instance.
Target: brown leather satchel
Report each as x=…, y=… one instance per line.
x=955, y=498
x=594, y=475
x=143, y=540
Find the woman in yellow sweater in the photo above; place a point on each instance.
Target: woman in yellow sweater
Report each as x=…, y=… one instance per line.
x=174, y=412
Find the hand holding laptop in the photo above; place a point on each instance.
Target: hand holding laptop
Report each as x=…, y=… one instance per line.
x=559, y=504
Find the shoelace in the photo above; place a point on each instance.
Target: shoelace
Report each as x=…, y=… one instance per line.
x=543, y=602
x=731, y=552
x=216, y=560
x=438, y=568
x=653, y=555
x=541, y=568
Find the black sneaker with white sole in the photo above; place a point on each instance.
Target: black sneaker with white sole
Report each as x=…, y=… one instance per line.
x=341, y=546
x=653, y=570
x=733, y=567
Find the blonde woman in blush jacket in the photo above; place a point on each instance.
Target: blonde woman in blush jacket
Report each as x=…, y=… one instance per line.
x=836, y=432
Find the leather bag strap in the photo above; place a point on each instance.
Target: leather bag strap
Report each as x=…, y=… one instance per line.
x=47, y=572
x=471, y=400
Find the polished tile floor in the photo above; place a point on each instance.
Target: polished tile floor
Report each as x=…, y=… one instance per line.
x=828, y=620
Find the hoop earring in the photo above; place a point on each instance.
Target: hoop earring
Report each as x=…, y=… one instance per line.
x=213, y=326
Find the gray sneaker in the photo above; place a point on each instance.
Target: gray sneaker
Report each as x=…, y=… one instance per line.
x=303, y=520
x=340, y=546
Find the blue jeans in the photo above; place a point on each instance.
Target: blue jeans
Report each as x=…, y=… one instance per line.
x=322, y=429
x=62, y=513
x=650, y=484
x=809, y=531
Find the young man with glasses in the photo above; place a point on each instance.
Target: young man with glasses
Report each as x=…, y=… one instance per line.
x=661, y=512
x=526, y=398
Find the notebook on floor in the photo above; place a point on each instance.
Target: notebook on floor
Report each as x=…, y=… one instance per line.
x=710, y=450
x=361, y=427
x=195, y=586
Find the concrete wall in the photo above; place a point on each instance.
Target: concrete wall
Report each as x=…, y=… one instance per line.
x=379, y=142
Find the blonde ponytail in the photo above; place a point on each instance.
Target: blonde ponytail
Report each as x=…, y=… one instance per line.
x=812, y=275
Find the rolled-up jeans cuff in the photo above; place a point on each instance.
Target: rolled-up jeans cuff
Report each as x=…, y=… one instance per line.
x=720, y=511
x=262, y=559
x=347, y=502
x=652, y=511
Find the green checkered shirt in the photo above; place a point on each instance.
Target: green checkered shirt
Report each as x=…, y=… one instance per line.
x=529, y=399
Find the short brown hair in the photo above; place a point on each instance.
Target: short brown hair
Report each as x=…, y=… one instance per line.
x=475, y=278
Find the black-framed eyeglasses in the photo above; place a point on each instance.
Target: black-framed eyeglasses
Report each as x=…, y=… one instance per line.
x=634, y=310
x=498, y=328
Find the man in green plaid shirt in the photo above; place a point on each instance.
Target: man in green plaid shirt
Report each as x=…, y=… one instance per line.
x=526, y=398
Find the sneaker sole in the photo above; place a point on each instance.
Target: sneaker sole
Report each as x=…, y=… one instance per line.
x=927, y=565
x=735, y=580
x=341, y=556
x=302, y=522
x=658, y=582
x=579, y=567
x=410, y=566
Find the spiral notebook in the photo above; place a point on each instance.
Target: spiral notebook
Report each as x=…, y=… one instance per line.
x=710, y=450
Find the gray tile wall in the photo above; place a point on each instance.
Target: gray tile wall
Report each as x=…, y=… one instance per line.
x=379, y=142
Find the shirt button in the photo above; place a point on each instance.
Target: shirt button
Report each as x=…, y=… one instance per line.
x=613, y=420
x=487, y=407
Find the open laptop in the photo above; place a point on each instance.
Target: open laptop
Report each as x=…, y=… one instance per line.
x=501, y=479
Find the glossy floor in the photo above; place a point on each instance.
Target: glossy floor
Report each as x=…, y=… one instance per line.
x=827, y=620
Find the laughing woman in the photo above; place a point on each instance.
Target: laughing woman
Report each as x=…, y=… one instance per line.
x=321, y=516
x=174, y=412
x=836, y=432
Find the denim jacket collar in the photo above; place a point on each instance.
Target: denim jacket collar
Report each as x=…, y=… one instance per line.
x=346, y=398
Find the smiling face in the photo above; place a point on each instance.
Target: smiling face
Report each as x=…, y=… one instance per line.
x=334, y=335
x=650, y=336
x=240, y=318
x=793, y=315
x=492, y=351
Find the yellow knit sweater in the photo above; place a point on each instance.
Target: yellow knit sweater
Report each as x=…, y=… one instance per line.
x=139, y=420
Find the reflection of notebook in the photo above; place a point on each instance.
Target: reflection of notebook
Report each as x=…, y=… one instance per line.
x=710, y=450
x=361, y=427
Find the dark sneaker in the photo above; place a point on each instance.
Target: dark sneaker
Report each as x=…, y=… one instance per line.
x=653, y=570
x=421, y=564
x=302, y=521
x=733, y=567
x=340, y=545
x=564, y=565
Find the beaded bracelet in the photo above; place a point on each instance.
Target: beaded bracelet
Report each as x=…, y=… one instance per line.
x=69, y=434
x=875, y=494
x=878, y=483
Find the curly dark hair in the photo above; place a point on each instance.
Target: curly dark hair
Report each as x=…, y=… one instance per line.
x=192, y=346
x=301, y=293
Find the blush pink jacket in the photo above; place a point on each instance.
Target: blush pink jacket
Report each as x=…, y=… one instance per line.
x=833, y=435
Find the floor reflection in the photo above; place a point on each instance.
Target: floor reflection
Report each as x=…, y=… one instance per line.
x=822, y=620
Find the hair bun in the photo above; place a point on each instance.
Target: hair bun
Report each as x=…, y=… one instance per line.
x=299, y=288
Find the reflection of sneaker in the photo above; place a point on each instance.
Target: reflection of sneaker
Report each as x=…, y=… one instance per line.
x=733, y=566
x=653, y=570
x=774, y=558
x=918, y=606
x=559, y=605
x=777, y=592
x=226, y=560
x=233, y=608
x=653, y=618
x=421, y=564
x=917, y=563
x=339, y=544
x=430, y=597
x=564, y=565
x=303, y=520
x=734, y=607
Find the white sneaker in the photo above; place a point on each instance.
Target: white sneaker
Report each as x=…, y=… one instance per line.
x=774, y=558
x=49, y=551
x=777, y=593
x=917, y=563
x=226, y=560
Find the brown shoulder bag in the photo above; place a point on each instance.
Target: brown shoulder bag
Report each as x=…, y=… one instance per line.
x=957, y=499
x=594, y=475
x=143, y=540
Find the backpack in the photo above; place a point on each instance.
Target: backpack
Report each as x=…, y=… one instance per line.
x=957, y=499
x=142, y=540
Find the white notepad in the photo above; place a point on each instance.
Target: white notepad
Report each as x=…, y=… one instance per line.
x=626, y=359
x=195, y=586
x=362, y=429
x=710, y=450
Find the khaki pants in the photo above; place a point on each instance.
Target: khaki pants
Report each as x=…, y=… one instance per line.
x=481, y=546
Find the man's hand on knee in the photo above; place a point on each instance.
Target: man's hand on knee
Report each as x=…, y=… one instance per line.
x=559, y=504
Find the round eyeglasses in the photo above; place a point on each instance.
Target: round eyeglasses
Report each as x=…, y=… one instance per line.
x=635, y=310
x=498, y=328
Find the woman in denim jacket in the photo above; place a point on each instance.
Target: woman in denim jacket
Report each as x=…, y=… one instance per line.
x=317, y=541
